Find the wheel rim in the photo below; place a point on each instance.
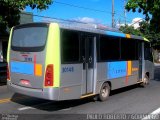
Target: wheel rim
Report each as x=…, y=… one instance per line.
x=105, y=92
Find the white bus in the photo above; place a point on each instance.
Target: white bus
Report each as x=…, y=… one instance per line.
x=63, y=62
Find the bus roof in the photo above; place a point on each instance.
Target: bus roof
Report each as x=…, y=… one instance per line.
x=92, y=28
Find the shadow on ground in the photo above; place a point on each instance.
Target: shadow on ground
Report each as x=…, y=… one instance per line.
x=3, y=83
x=51, y=106
x=125, y=89
x=48, y=105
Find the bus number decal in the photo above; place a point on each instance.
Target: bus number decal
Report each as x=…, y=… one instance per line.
x=67, y=69
x=28, y=59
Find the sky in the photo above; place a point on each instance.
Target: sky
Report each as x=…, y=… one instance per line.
x=94, y=11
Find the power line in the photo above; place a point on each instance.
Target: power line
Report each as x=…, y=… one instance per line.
x=71, y=5
x=137, y=21
x=113, y=25
x=62, y=20
x=91, y=9
x=54, y=18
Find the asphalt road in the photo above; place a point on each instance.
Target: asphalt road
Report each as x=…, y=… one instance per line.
x=129, y=100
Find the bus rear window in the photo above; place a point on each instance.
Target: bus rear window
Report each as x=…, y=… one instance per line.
x=29, y=39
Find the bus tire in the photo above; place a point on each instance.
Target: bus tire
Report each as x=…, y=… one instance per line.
x=145, y=81
x=104, y=92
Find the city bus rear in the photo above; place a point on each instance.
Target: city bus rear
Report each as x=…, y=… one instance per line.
x=30, y=62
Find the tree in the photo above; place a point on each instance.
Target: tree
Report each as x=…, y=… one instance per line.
x=130, y=30
x=143, y=31
x=10, y=11
x=151, y=10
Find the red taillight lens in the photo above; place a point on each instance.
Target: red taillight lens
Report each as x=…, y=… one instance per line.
x=8, y=73
x=49, y=75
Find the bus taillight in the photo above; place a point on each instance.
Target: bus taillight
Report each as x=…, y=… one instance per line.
x=49, y=75
x=8, y=73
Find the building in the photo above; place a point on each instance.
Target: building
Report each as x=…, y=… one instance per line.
x=25, y=17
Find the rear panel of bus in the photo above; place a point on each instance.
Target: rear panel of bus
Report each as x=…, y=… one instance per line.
x=33, y=63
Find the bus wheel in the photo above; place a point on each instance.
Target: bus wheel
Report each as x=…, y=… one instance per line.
x=104, y=92
x=145, y=81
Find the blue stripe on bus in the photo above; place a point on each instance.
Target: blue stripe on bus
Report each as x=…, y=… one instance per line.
x=115, y=34
x=23, y=68
x=116, y=69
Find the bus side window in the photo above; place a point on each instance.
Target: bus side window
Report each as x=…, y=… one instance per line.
x=70, y=47
x=128, y=49
x=148, y=52
x=109, y=48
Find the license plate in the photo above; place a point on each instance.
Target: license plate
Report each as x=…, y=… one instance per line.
x=25, y=82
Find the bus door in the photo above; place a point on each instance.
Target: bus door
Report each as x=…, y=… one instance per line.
x=141, y=57
x=88, y=57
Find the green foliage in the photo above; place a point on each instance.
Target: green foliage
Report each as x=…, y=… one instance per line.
x=10, y=11
x=130, y=30
x=147, y=32
x=144, y=31
x=151, y=10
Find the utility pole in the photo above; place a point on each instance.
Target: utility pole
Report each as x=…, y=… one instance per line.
x=112, y=13
x=124, y=12
x=119, y=21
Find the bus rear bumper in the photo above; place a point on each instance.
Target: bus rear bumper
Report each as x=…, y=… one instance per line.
x=45, y=93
